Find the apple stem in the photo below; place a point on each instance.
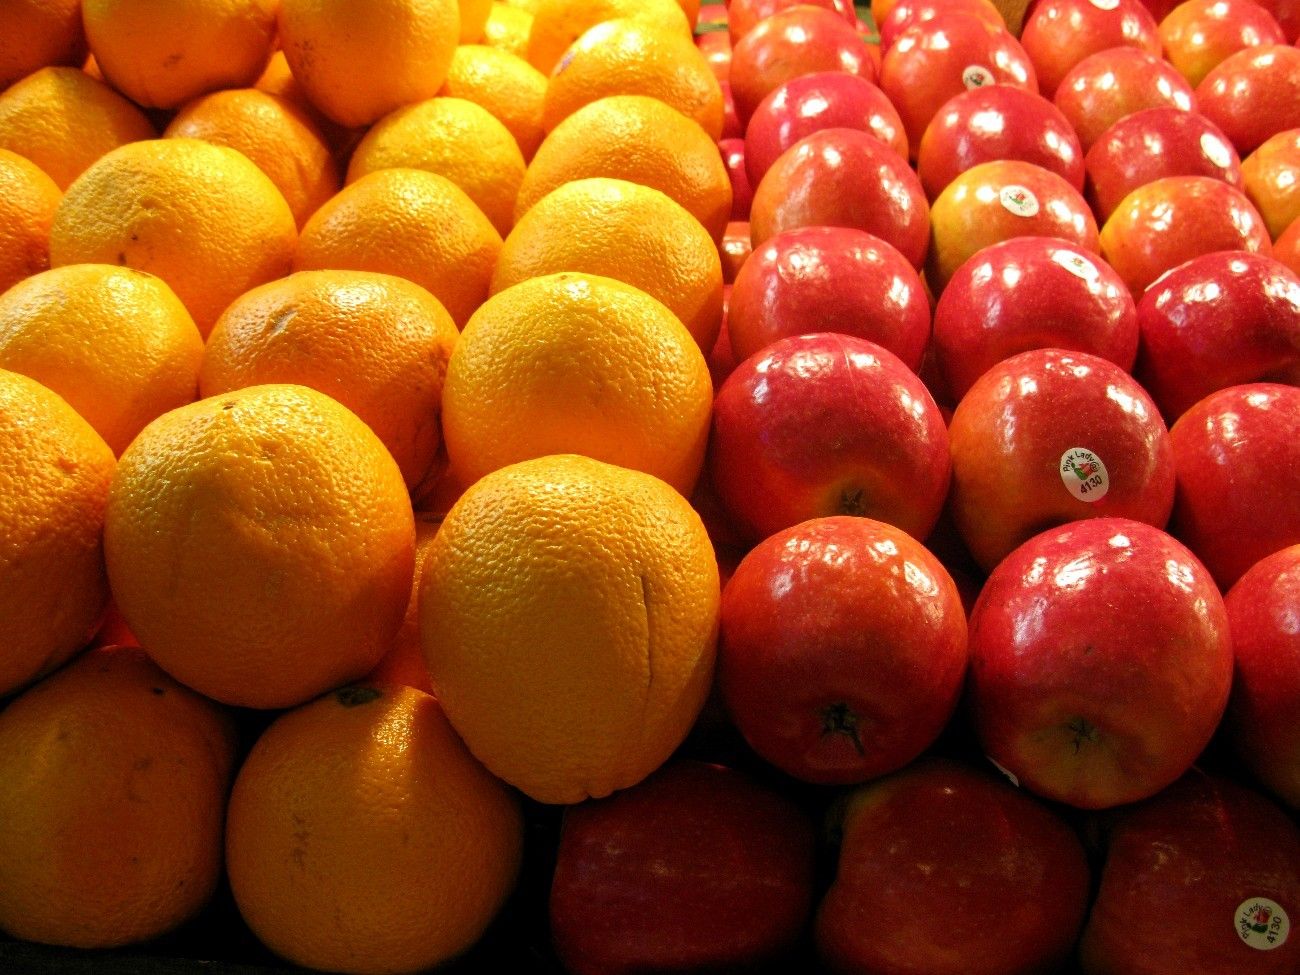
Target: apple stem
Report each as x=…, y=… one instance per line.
x=852, y=502
x=1083, y=732
x=839, y=719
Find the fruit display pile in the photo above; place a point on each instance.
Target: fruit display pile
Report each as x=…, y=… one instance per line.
x=614, y=487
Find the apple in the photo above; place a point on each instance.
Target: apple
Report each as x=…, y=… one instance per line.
x=696, y=868
x=1100, y=662
x=1236, y=454
x=1287, y=14
x=731, y=127
x=1253, y=94
x=792, y=42
x=935, y=59
x=830, y=279
x=1204, y=879
x=1271, y=177
x=1173, y=219
x=1198, y=34
x=826, y=424
x=742, y=194
x=944, y=870
x=997, y=122
x=811, y=102
x=734, y=249
x=1048, y=437
x=1151, y=144
x=1104, y=87
x=843, y=178
x=1030, y=293
x=1286, y=248
x=1221, y=319
x=1160, y=9
x=713, y=39
x=1263, y=720
x=905, y=13
x=996, y=201
x=744, y=15
x=1058, y=34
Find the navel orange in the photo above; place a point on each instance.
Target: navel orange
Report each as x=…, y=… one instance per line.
x=28, y=202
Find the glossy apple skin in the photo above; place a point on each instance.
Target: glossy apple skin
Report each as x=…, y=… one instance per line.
x=734, y=249
x=842, y=649
x=1198, y=34
x=1058, y=34
x=830, y=279
x=844, y=178
x=742, y=194
x=1199, y=851
x=1100, y=662
x=905, y=13
x=1106, y=86
x=1236, y=454
x=1171, y=220
x=1030, y=293
x=811, y=102
x=714, y=40
x=789, y=43
x=1286, y=248
x=1287, y=14
x=1011, y=432
x=744, y=15
x=1271, y=179
x=1253, y=94
x=827, y=424
x=997, y=122
x=1151, y=144
x=1220, y=320
x=931, y=61
x=696, y=867
x=977, y=209
x=945, y=870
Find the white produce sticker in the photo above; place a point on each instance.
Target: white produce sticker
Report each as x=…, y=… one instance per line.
x=1019, y=200
x=1076, y=264
x=976, y=76
x=1084, y=475
x=1011, y=776
x=1262, y=923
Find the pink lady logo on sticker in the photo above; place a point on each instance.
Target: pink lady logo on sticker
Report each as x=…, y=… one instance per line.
x=1084, y=475
x=1076, y=264
x=976, y=76
x=1020, y=200
x=1262, y=924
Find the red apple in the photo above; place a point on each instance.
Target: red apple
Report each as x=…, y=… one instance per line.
x=1151, y=144
x=1287, y=14
x=1048, y=437
x=1030, y=293
x=720, y=358
x=996, y=201
x=1100, y=662
x=1160, y=9
x=1198, y=34
x=1236, y=454
x=933, y=60
x=947, y=871
x=744, y=15
x=1204, y=879
x=830, y=279
x=1171, y=220
x=1058, y=34
x=713, y=39
x=1271, y=177
x=811, y=102
x=1286, y=248
x=905, y=13
x=742, y=194
x=789, y=43
x=827, y=424
x=696, y=868
x=844, y=178
x=1253, y=94
x=1221, y=319
x=997, y=122
x=1106, y=86
x=731, y=127
x=734, y=249
x=1263, y=719
x=842, y=649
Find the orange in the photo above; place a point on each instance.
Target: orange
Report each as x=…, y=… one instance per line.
x=510, y=88
x=113, y=784
x=639, y=139
x=278, y=137
x=63, y=120
x=38, y=33
x=404, y=662
x=115, y=343
x=473, y=18
x=528, y=6
x=260, y=544
x=363, y=837
x=558, y=23
x=577, y=363
x=378, y=344
x=358, y=60
x=201, y=217
x=569, y=612
x=28, y=202
x=410, y=223
x=626, y=57
x=507, y=29
x=278, y=80
x=54, y=478
x=625, y=231
x=162, y=53
x=454, y=138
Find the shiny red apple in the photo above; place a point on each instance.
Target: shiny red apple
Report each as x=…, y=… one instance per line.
x=1287, y=14
x=1287, y=247
x=744, y=15
x=1271, y=178
x=742, y=194
x=1106, y=86
x=734, y=249
x=713, y=39
x=1253, y=94
x=905, y=13
x=1058, y=34
x=1198, y=34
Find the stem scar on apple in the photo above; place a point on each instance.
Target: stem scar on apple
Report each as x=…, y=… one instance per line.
x=852, y=502
x=1083, y=731
x=839, y=719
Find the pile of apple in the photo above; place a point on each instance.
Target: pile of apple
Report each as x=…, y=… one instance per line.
x=1005, y=481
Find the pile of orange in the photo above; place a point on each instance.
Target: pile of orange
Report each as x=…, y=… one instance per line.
x=353, y=368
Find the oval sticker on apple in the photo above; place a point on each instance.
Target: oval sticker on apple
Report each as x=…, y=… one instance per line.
x=1262, y=923
x=1076, y=264
x=1084, y=475
x=1019, y=200
x=976, y=76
